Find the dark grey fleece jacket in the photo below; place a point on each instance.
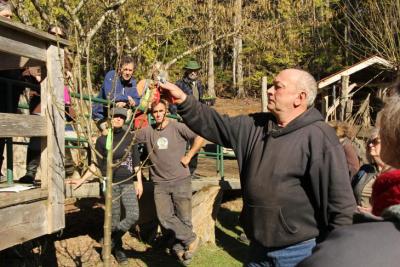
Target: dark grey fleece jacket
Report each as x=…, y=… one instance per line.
x=294, y=179
x=372, y=243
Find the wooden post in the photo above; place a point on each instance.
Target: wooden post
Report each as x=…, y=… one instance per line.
x=264, y=95
x=52, y=160
x=344, y=96
x=325, y=104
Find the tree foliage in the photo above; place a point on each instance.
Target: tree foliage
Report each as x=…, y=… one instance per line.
x=276, y=34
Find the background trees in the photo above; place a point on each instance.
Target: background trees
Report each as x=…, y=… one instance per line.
x=250, y=38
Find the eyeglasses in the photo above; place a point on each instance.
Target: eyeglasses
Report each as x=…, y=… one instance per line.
x=374, y=142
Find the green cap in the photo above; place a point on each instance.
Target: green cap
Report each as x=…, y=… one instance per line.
x=192, y=65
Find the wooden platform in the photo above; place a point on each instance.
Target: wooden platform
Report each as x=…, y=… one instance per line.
x=92, y=189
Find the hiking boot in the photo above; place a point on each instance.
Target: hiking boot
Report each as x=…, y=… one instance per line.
x=192, y=248
x=120, y=256
x=180, y=255
x=26, y=179
x=243, y=238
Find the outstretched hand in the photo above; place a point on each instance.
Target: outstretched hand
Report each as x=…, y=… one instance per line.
x=174, y=91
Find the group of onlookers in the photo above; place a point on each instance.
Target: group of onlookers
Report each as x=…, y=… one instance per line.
x=165, y=141
x=306, y=199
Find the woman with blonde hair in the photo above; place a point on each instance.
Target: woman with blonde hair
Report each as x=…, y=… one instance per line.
x=363, y=180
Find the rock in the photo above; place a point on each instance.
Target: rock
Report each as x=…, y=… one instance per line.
x=205, y=207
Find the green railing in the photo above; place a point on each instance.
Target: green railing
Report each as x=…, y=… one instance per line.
x=218, y=155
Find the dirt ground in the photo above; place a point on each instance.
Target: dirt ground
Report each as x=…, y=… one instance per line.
x=79, y=243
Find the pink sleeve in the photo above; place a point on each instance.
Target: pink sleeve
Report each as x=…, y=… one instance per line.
x=67, y=97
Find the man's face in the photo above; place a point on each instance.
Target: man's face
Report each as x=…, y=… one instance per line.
x=127, y=71
x=193, y=74
x=159, y=111
x=118, y=121
x=6, y=13
x=57, y=31
x=283, y=96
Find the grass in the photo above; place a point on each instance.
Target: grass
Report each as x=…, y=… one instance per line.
x=228, y=250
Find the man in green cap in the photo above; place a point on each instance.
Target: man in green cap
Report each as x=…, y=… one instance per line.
x=191, y=85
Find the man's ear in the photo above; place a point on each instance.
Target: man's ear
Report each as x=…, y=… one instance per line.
x=300, y=99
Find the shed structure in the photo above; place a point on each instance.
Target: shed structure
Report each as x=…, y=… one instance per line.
x=337, y=91
x=39, y=211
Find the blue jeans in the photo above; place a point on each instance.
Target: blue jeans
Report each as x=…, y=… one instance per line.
x=260, y=256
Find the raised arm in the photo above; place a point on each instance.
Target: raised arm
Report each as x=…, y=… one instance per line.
x=206, y=122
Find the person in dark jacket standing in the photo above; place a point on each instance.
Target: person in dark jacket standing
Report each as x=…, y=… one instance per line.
x=126, y=166
x=293, y=170
x=191, y=85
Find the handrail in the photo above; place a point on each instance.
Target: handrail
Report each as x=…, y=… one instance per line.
x=218, y=155
x=20, y=83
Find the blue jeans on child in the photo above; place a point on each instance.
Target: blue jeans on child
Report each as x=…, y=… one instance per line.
x=260, y=256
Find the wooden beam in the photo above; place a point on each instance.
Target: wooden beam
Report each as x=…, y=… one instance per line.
x=18, y=125
x=10, y=61
x=8, y=199
x=31, y=31
x=353, y=69
x=22, y=223
x=17, y=43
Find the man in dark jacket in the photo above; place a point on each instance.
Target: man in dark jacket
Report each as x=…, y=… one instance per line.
x=191, y=85
x=293, y=171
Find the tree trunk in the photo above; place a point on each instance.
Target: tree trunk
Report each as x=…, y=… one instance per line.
x=238, y=64
x=264, y=95
x=210, y=76
x=107, y=212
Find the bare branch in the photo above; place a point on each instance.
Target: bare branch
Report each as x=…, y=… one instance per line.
x=197, y=48
x=78, y=7
x=110, y=10
x=42, y=13
x=19, y=11
x=74, y=17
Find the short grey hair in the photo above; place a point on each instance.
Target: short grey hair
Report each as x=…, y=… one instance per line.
x=5, y=5
x=389, y=122
x=307, y=83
